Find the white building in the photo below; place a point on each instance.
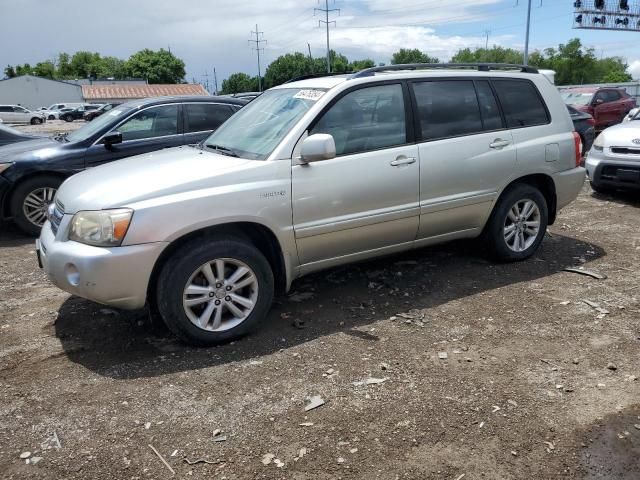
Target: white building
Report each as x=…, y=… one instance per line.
x=34, y=92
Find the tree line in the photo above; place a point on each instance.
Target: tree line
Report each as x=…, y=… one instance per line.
x=159, y=66
x=572, y=62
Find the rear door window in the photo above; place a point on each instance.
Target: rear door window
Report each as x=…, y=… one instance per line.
x=152, y=122
x=521, y=103
x=491, y=117
x=448, y=108
x=202, y=117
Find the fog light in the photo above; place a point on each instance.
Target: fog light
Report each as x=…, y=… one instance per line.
x=72, y=273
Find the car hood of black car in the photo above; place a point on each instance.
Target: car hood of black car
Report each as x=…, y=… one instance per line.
x=29, y=149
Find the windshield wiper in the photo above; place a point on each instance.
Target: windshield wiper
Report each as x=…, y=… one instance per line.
x=222, y=150
x=61, y=136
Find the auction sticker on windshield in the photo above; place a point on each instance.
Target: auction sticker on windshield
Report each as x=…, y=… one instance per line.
x=115, y=112
x=309, y=94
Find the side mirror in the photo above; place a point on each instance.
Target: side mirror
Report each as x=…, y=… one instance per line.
x=317, y=147
x=633, y=114
x=112, y=138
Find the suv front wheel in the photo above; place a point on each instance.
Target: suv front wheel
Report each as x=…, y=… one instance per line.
x=518, y=223
x=212, y=291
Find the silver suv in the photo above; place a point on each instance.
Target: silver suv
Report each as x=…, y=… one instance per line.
x=312, y=174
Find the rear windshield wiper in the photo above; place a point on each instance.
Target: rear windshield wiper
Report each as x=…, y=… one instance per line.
x=222, y=150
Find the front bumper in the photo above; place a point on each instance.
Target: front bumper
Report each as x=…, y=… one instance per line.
x=117, y=276
x=568, y=185
x=608, y=171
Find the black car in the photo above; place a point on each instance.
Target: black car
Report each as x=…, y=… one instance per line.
x=32, y=171
x=78, y=112
x=91, y=114
x=11, y=135
x=585, y=125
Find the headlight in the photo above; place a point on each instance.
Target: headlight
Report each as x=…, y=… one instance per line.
x=102, y=228
x=598, y=144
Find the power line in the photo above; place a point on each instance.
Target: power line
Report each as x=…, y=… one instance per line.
x=326, y=11
x=486, y=43
x=258, y=41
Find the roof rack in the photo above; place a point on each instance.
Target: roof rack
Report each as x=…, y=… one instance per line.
x=481, y=67
x=317, y=75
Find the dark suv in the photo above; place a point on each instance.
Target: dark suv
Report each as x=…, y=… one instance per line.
x=607, y=105
x=78, y=113
x=91, y=114
x=32, y=171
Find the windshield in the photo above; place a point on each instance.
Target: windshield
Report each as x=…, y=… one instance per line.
x=577, y=98
x=257, y=129
x=98, y=124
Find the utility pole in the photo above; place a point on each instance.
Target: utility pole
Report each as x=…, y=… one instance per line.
x=526, y=40
x=215, y=79
x=206, y=81
x=486, y=42
x=258, y=41
x=310, y=58
x=326, y=21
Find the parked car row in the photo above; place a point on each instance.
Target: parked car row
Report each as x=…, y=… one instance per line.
x=310, y=174
x=607, y=105
x=31, y=171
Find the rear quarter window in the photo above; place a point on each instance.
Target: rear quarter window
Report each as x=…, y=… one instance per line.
x=521, y=103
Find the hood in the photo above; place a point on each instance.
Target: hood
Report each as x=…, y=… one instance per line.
x=152, y=175
x=623, y=135
x=12, y=152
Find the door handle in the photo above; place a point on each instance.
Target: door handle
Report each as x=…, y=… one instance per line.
x=402, y=160
x=499, y=143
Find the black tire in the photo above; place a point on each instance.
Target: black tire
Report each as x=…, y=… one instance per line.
x=21, y=193
x=36, y=121
x=67, y=118
x=601, y=189
x=188, y=259
x=51, y=117
x=494, y=233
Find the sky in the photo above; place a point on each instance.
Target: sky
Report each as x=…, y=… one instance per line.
x=210, y=34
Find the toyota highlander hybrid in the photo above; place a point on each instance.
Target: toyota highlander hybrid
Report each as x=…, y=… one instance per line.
x=312, y=174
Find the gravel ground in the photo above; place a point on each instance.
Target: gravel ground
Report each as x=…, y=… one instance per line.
x=51, y=127
x=476, y=371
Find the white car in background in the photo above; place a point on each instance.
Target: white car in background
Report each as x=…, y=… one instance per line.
x=633, y=114
x=19, y=114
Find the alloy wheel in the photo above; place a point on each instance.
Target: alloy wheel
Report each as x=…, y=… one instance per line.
x=220, y=294
x=522, y=225
x=35, y=205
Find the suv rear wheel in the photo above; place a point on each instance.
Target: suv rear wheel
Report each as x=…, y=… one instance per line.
x=212, y=291
x=518, y=223
x=36, y=121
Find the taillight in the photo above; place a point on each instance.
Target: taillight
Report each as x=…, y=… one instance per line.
x=578, y=144
x=591, y=121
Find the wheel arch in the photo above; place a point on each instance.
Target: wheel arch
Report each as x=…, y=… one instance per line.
x=542, y=182
x=257, y=234
x=5, y=208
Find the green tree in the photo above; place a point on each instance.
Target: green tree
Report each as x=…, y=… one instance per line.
x=9, y=71
x=357, y=65
x=406, y=55
x=495, y=54
x=156, y=66
x=24, y=70
x=286, y=67
x=45, y=69
x=63, y=66
x=85, y=64
x=239, y=82
x=339, y=63
x=616, y=76
x=112, y=67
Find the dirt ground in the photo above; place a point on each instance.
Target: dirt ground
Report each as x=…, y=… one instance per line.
x=476, y=371
x=51, y=127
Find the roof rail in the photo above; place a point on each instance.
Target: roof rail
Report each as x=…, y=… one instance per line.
x=317, y=75
x=481, y=67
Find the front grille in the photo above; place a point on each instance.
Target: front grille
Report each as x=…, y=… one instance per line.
x=56, y=216
x=625, y=150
